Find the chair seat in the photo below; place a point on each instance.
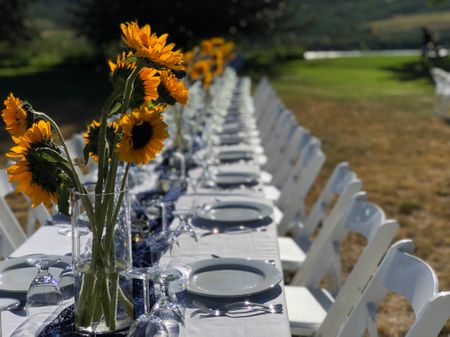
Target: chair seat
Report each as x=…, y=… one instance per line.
x=277, y=215
x=266, y=177
x=292, y=256
x=307, y=309
x=271, y=192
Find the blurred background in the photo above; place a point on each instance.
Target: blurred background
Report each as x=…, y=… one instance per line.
x=371, y=102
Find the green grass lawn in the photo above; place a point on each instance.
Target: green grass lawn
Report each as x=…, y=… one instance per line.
x=355, y=78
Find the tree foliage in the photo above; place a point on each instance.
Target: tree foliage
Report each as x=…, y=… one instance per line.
x=12, y=24
x=185, y=21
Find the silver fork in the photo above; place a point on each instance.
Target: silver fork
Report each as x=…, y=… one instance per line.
x=239, y=309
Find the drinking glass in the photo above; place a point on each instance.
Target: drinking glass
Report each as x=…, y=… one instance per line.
x=44, y=289
x=165, y=308
x=148, y=324
x=185, y=226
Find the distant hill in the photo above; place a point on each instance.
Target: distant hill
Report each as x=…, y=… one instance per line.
x=326, y=24
x=369, y=24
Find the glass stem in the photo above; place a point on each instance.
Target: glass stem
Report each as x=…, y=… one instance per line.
x=163, y=216
x=146, y=294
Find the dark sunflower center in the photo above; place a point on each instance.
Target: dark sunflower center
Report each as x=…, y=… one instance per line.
x=43, y=173
x=141, y=135
x=30, y=115
x=164, y=95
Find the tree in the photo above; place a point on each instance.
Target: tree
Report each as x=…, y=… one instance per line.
x=12, y=26
x=185, y=21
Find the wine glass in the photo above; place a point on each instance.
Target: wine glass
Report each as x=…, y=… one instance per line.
x=148, y=324
x=185, y=226
x=44, y=290
x=165, y=308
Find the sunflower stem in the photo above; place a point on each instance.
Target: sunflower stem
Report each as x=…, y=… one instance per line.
x=129, y=86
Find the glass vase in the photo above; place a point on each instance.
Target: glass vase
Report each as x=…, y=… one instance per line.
x=102, y=293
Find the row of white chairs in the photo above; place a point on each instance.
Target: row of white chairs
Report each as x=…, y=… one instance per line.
x=344, y=309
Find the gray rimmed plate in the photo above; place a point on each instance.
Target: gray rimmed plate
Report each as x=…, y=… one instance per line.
x=236, y=178
x=232, y=139
x=234, y=155
x=16, y=274
x=235, y=211
x=232, y=277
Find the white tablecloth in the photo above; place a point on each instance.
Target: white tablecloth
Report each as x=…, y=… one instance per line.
x=256, y=245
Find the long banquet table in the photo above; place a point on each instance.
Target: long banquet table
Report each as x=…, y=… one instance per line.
x=254, y=245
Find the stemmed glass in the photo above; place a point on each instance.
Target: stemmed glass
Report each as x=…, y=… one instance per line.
x=168, y=311
x=148, y=324
x=184, y=227
x=44, y=289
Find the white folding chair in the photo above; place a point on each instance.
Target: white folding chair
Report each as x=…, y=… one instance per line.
x=281, y=135
x=296, y=138
x=293, y=153
x=298, y=184
x=407, y=275
x=38, y=213
x=308, y=305
x=342, y=185
x=11, y=234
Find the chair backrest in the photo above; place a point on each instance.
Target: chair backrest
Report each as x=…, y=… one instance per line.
x=432, y=317
x=262, y=86
x=278, y=135
x=293, y=152
x=291, y=137
x=407, y=275
x=299, y=183
x=324, y=258
x=277, y=110
x=342, y=184
x=11, y=233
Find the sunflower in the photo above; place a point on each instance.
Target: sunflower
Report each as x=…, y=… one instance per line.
x=144, y=132
x=150, y=46
x=121, y=65
x=18, y=116
x=217, y=41
x=206, y=47
x=146, y=86
x=218, y=62
x=171, y=89
x=150, y=80
x=35, y=176
x=91, y=138
x=199, y=69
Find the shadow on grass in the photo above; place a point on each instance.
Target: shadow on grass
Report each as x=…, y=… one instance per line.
x=72, y=95
x=410, y=71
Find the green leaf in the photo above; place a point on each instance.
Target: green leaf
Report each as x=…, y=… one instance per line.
x=49, y=155
x=131, y=59
x=115, y=109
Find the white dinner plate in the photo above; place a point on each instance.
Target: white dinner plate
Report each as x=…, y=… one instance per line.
x=232, y=277
x=228, y=178
x=235, y=211
x=234, y=155
x=16, y=274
